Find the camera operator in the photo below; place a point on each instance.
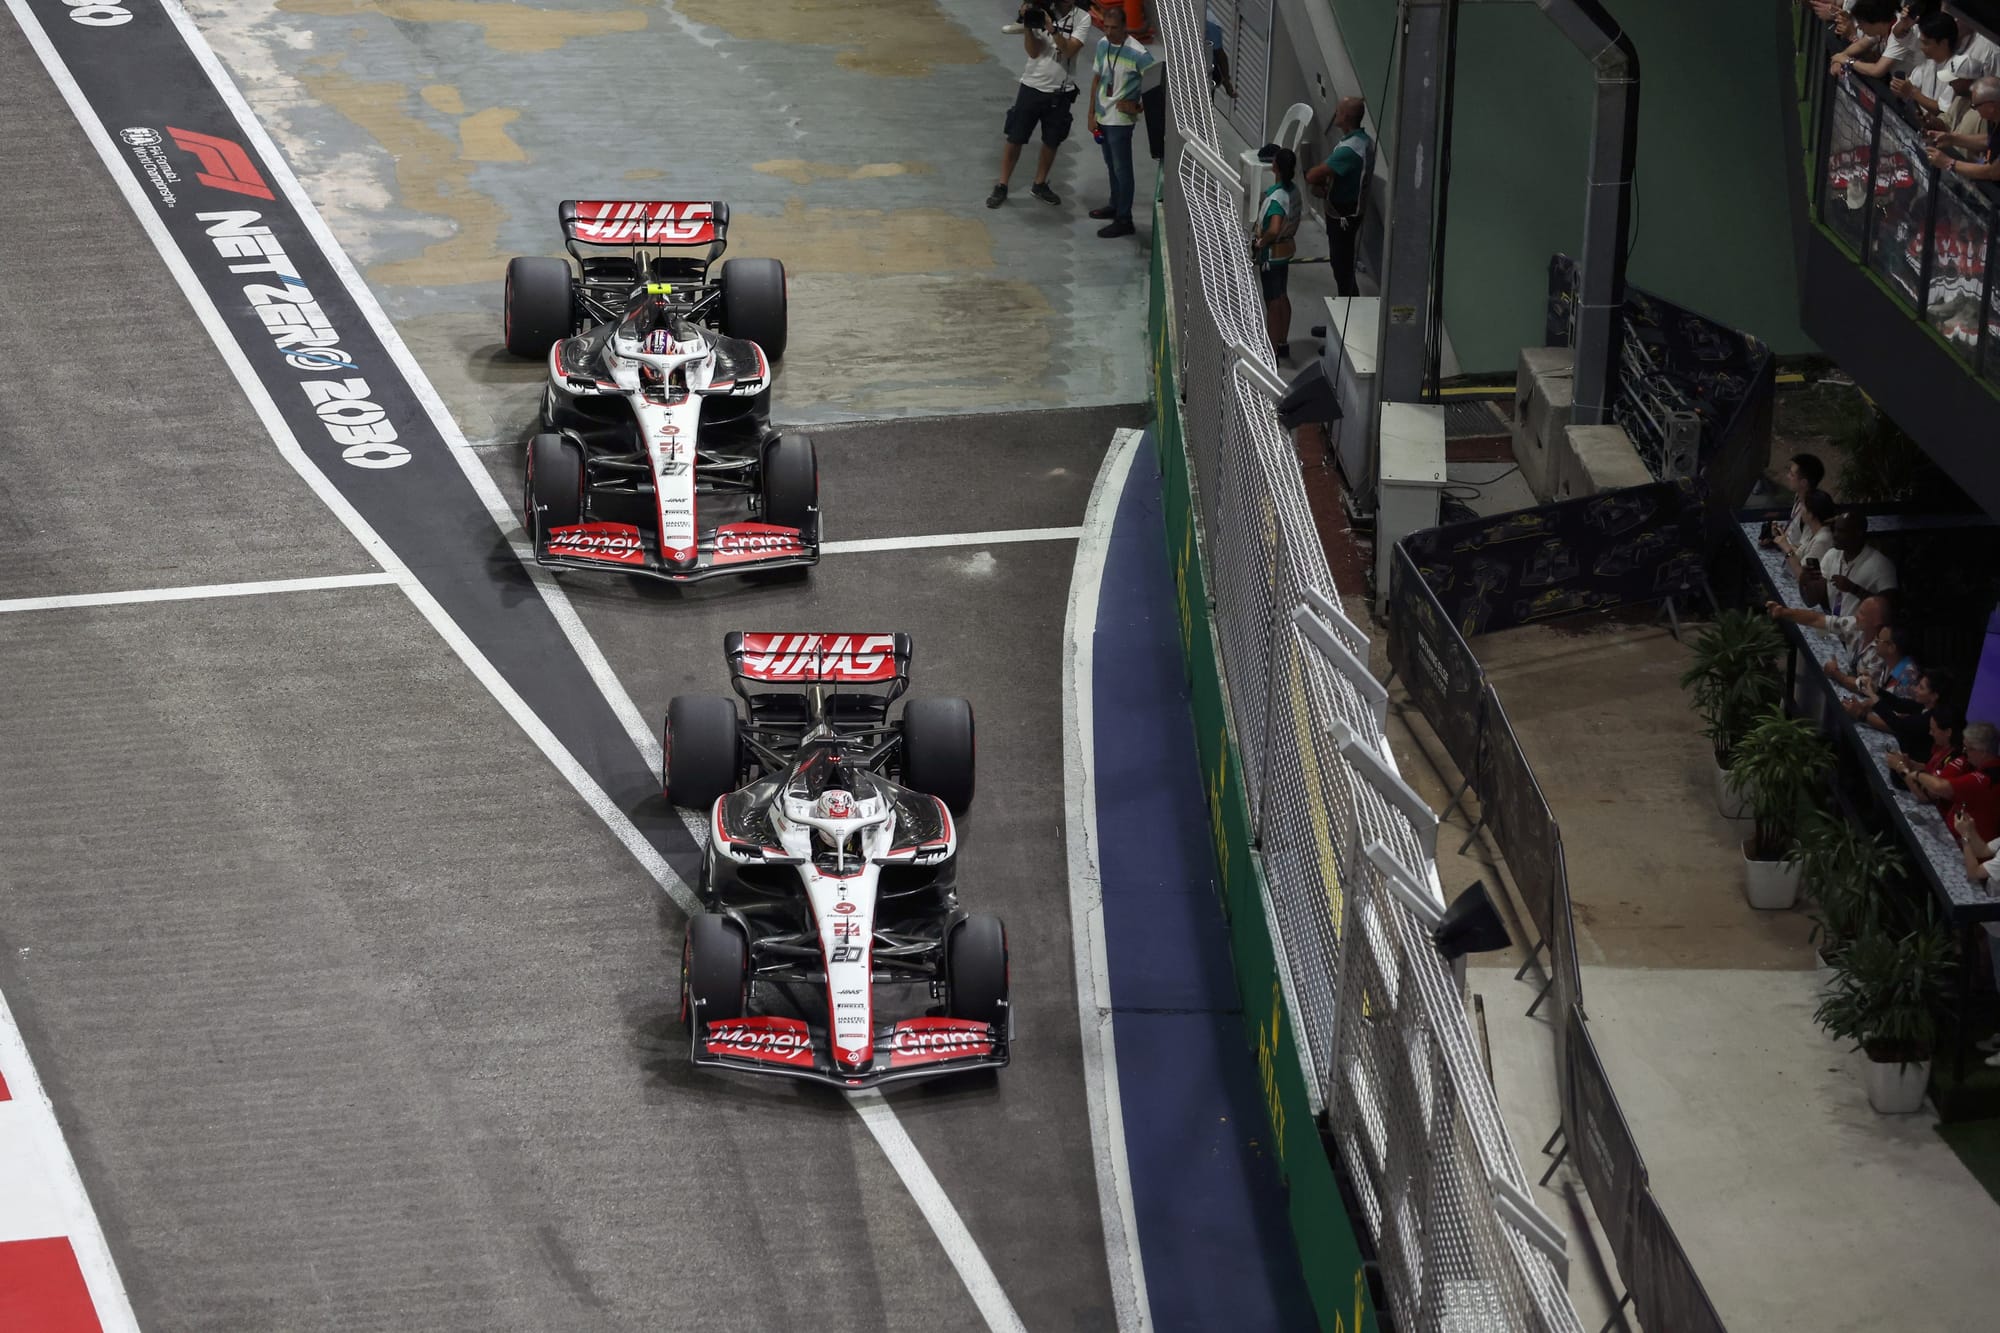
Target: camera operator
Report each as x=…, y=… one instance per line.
x=1049, y=33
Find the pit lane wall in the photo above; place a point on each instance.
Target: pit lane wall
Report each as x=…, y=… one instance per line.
x=1329, y=1253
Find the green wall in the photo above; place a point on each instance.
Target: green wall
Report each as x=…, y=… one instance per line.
x=1329, y=1254
x=1712, y=220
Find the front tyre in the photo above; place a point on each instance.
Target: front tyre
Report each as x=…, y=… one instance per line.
x=939, y=750
x=537, y=310
x=554, y=487
x=754, y=304
x=976, y=963
x=791, y=484
x=715, y=971
x=703, y=751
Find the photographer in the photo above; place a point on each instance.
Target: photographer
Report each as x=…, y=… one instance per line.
x=1049, y=33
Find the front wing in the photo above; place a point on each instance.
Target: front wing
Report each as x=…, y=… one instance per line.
x=912, y=1049
x=733, y=548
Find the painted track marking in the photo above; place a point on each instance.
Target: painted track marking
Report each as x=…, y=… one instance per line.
x=1086, y=893
x=195, y=593
x=979, y=1280
x=1005, y=537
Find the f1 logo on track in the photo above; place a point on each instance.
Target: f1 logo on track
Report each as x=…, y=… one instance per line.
x=94, y=14
x=224, y=164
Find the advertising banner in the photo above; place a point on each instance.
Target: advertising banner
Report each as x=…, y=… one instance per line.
x=1638, y=544
x=1435, y=665
x=1601, y=1144
x=1518, y=815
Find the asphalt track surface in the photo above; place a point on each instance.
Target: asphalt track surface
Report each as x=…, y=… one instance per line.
x=358, y=1017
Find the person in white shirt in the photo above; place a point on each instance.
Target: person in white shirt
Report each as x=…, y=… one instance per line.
x=1927, y=86
x=1802, y=477
x=1817, y=540
x=1052, y=34
x=1855, y=571
x=1878, y=45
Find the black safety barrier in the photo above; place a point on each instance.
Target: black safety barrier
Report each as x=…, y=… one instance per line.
x=1666, y=1293
x=1437, y=667
x=1635, y=544
x=1439, y=581
x=1512, y=805
x=1601, y=1143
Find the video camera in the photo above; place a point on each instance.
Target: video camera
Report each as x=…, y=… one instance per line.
x=1035, y=18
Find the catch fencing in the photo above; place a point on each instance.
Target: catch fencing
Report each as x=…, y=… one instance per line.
x=1384, y=1048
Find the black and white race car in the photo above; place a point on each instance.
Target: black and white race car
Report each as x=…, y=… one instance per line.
x=655, y=453
x=833, y=947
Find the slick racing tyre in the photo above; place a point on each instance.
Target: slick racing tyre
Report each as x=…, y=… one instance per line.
x=791, y=483
x=938, y=750
x=536, y=311
x=554, y=486
x=715, y=971
x=753, y=303
x=976, y=963
x=703, y=750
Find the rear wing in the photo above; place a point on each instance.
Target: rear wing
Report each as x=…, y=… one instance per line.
x=655, y=222
x=831, y=659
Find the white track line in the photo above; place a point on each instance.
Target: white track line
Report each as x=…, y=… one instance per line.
x=1003, y=538
x=1086, y=893
x=195, y=593
x=945, y=1221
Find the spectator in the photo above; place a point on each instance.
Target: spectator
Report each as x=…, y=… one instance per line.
x=1802, y=477
x=1877, y=48
x=1046, y=93
x=1984, y=147
x=1982, y=866
x=1152, y=81
x=1890, y=670
x=1974, y=793
x=1116, y=71
x=1855, y=571
x=1272, y=248
x=1945, y=734
x=1818, y=540
x=1218, y=60
x=1343, y=179
x=1857, y=633
x=1928, y=85
x=1908, y=719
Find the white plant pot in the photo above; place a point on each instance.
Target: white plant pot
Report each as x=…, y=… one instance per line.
x=1895, y=1089
x=1728, y=802
x=1769, y=886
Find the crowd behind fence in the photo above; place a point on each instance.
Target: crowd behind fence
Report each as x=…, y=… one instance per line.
x=1428, y=651
x=1393, y=1070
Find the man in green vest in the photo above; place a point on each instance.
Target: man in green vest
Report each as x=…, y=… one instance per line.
x=1343, y=179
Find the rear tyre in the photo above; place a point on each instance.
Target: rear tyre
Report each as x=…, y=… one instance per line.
x=703, y=750
x=791, y=483
x=536, y=309
x=976, y=957
x=939, y=750
x=554, y=486
x=715, y=971
x=753, y=304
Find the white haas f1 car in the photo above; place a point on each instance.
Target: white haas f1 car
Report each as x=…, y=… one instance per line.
x=833, y=947
x=655, y=454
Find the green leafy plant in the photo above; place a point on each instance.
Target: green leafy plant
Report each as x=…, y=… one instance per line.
x=1887, y=992
x=1846, y=873
x=1733, y=677
x=1778, y=767
x=1882, y=465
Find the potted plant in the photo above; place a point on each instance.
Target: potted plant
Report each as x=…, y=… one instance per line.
x=1778, y=766
x=1885, y=996
x=1733, y=681
x=1843, y=871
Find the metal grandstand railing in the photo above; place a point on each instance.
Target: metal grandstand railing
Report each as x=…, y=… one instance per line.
x=1393, y=1066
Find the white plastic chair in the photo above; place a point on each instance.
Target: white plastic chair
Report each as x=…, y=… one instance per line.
x=1256, y=173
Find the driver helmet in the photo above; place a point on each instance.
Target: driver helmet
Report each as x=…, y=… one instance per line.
x=834, y=803
x=658, y=343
